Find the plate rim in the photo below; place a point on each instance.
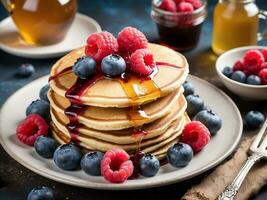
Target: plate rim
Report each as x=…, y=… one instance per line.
x=40, y=55
x=104, y=186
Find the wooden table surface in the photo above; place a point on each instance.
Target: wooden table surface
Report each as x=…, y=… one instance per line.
x=16, y=181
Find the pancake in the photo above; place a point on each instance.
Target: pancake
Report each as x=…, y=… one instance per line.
x=100, y=118
x=112, y=93
x=152, y=146
x=128, y=112
x=96, y=144
x=124, y=136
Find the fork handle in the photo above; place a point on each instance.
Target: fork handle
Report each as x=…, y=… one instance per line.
x=231, y=190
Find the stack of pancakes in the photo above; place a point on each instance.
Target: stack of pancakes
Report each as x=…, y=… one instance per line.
x=129, y=114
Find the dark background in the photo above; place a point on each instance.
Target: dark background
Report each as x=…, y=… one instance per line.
x=16, y=181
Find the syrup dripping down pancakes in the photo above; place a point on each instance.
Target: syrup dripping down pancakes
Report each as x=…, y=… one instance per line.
x=128, y=112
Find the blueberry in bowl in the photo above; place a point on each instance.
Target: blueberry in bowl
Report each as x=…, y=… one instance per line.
x=253, y=80
x=227, y=71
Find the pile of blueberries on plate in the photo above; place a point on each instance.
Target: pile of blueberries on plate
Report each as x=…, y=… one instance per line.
x=198, y=112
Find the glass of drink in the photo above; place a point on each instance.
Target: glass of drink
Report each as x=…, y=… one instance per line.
x=179, y=30
x=42, y=22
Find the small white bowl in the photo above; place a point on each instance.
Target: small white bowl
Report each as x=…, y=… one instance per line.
x=251, y=92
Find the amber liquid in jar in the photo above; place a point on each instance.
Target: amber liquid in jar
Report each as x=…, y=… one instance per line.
x=43, y=22
x=235, y=24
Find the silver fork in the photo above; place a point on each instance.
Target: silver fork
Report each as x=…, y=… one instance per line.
x=257, y=151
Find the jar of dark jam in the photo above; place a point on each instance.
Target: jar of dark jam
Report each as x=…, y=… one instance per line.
x=179, y=30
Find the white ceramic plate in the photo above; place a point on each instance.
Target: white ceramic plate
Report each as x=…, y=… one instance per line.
x=11, y=42
x=217, y=150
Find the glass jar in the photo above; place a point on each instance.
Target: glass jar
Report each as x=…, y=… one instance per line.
x=235, y=24
x=179, y=30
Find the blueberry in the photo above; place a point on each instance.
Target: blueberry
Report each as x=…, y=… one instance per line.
x=43, y=93
x=149, y=165
x=194, y=104
x=254, y=119
x=253, y=80
x=41, y=193
x=239, y=76
x=84, y=67
x=67, y=157
x=188, y=88
x=227, y=71
x=40, y=107
x=113, y=65
x=211, y=120
x=90, y=163
x=45, y=146
x=25, y=70
x=180, y=154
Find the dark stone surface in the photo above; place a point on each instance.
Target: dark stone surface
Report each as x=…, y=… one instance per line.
x=16, y=181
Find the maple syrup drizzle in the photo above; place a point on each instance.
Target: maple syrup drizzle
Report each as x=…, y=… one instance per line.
x=139, y=90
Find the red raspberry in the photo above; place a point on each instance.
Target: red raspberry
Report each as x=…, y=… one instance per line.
x=238, y=66
x=253, y=60
x=100, y=45
x=196, y=135
x=195, y=3
x=264, y=65
x=116, y=166
x=185, y=7
x=130, y=39
x=142, y=62
x=178, y=1
x=31, y=128
x=251, y=69
x=264, y=53
x=263, y=76
x=168, y=5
